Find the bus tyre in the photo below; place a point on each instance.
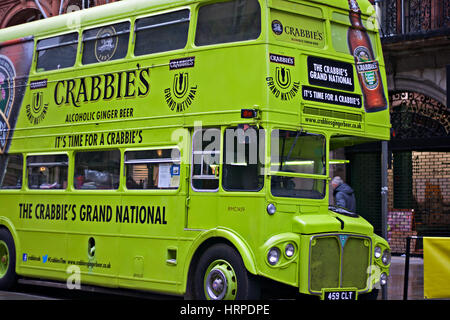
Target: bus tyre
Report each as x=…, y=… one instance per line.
x=7, y=260
x=221, y=275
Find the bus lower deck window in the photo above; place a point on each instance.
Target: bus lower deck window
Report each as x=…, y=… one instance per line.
x=206, y=159
x=11, y=169
x=301, y=153
x=152, y=169
x=243, y=169
x=96, y=170
x=47, y=171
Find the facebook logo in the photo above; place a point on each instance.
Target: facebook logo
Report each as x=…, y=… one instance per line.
x=25, y=257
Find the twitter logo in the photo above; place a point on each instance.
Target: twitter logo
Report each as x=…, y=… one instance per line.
x=45, y=258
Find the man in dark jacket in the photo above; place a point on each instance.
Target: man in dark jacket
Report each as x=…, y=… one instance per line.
x=343, y=194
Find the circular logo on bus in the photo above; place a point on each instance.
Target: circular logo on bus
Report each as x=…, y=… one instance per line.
x=106, y=44
x=277, y=27
x=7, y=75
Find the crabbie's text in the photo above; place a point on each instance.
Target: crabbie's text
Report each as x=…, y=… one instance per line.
x=124, y=84
x=99, y=139
x=93, y=213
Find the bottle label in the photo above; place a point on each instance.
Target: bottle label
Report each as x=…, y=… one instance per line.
x=367, y=68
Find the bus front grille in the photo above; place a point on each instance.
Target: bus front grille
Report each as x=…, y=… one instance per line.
x=338, y=261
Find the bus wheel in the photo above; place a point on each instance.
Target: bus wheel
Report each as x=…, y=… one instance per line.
x=7, y=260
x=221, y=275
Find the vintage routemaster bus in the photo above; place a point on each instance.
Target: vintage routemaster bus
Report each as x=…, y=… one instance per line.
x=183, y=147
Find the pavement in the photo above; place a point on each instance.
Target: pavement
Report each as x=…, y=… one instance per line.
x=395, y=282
x=8, y=295
x=396, y=279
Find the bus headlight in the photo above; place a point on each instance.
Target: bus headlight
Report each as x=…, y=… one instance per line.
x=377, y=252
x=386, y=258
x=271, y=209
x=289, y=250
x=273, y=256
x=383, y=279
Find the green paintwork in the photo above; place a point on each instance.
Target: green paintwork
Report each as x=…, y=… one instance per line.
x=157, y=257
x=4, y=259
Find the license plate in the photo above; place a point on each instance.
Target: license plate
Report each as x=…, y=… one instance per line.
x=339, y=295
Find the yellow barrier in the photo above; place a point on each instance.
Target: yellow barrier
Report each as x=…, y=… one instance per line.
x=436, y=267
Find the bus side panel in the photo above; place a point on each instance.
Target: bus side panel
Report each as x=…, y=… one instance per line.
x=149, y=248
x=93, y=237
x=41, y=221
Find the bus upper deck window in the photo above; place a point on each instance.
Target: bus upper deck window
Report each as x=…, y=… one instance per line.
x=230, y=21
x=153, y=169
x=11, y=171
x=163, y=32
x=106, y=43
x=47, y=171
x=57, y=52
x=97, y=170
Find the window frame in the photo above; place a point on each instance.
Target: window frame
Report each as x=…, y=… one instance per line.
x=109, y=23
x=37, y=51
x=195, y=32
x=74, y=170
x=22, y=184
x=148, y=27
x=40, y=164
x=259, y=164
x=284, y=174
x=154, y=161
x=202, y=152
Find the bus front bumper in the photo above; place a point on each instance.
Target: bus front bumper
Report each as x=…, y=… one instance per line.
x=343, y=264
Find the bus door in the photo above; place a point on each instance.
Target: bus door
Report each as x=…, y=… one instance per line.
x=155, y=207
x=242, y=177
x=204, y=182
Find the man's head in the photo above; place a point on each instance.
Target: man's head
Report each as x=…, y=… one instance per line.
x=337, y=181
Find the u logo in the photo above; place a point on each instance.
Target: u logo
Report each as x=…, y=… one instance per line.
x=37, y=102
x=180, y=84
x=283, y=77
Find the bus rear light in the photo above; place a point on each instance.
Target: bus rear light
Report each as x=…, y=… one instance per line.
x=249, y=113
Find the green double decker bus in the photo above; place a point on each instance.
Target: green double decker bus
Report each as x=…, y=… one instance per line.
x=183, y=147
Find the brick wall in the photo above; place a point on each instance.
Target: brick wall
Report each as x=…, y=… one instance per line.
x=401, y=226
x=430, y=212
x=431, y=177
x=14, y=12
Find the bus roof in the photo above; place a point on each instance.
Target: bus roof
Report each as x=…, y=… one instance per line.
x=123, y=9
